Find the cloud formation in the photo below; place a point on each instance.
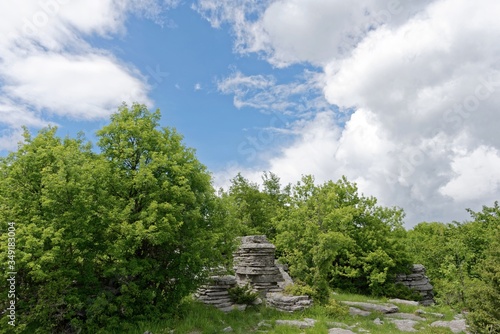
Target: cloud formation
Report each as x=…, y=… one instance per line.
x=422, y=80
x=48, y=68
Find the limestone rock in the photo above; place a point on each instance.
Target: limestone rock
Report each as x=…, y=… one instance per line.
x=288, y=303
x=339, y=331
x=383, y=308
x=437, y=315
x=405, y=325
x=419, y=282
x=357, y=311
x=403, y=301
x=407, y=316
x=307, y=323
x=456, y=326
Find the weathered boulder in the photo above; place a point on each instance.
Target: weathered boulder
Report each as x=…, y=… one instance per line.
x=285, y=303
x=254, y=264
x=215, y=292
x=383, y=308
x=419, y=282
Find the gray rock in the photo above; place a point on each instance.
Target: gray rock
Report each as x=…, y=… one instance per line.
x=405, y=325
x=407, y=316
x=437, y=315
x=297, y=323
x=383, y=308
x=357, y=311
x=340, y=331
x=456, y=326
x=377, y=321
x=263, y=323
x=403, y=301
x=227, y=329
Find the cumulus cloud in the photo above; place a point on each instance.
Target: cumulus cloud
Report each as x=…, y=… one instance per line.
x=49, y=68
x=422, y=82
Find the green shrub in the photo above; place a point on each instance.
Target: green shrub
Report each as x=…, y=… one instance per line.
x=336, y=310
x=243, y=294
x=104, y=237
x=398, y=290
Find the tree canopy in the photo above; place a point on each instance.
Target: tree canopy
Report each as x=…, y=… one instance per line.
x=106, y=236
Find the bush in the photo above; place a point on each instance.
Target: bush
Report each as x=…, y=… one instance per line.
x=243, y=294
x=123, y=234
x=398, y=290
x=336, y=310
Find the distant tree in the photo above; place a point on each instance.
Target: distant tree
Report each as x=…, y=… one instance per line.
x=254, y=208
x=333, y=237
x=463, y=263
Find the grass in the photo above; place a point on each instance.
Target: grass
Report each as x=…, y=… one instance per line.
x=198, y=318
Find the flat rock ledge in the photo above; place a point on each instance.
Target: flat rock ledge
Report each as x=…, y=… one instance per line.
x=456, y=326
x=340, y=331
x=357, y=311
x=215, y=292
x=407, y=316
x=383, y=308
x=405, y=325
x=403, y=301
x=307, y=323
x=285, y=303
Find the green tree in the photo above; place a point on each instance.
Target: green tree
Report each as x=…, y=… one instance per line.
x=253, y=209
x=51, y=190
x=124, y=234
x=331, y=236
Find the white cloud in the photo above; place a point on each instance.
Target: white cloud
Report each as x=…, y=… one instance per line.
x=477, y=175
x=423, y=84
x=49, y=68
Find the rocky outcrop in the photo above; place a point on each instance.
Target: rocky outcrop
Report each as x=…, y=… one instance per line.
x=253, y=264
x=419, y=282
x=215, y=292
x=288, y=303
x=382, y=308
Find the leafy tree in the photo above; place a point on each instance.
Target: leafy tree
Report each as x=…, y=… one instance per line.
x=51, y=189
x=464, y=264
x=124, y=234
x=331, y=236
x=254, y=208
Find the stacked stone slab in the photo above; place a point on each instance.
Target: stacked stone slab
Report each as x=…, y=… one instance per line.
x=288, y=303
x=418, y=282
x=215, y=292
x=254, y=265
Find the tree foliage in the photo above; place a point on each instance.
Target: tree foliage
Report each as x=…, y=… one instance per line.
x=122, y=234
x=463, y=262
x=332, y=237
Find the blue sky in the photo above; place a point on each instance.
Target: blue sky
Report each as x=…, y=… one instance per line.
x=400, y=96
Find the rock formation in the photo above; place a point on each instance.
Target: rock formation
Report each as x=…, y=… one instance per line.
x=215, y=291
x=253, y=264
x=419, y=282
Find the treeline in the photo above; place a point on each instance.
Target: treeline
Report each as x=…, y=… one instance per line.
x=333, y=238
x=106, y=239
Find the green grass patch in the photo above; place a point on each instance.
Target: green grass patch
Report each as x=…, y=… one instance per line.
x=197, y=318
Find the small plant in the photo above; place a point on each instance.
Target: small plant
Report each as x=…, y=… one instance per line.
x=243, y=294
x=335, y=310
x=299, y=289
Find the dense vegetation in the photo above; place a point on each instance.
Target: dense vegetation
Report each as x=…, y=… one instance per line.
x=128, y=232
